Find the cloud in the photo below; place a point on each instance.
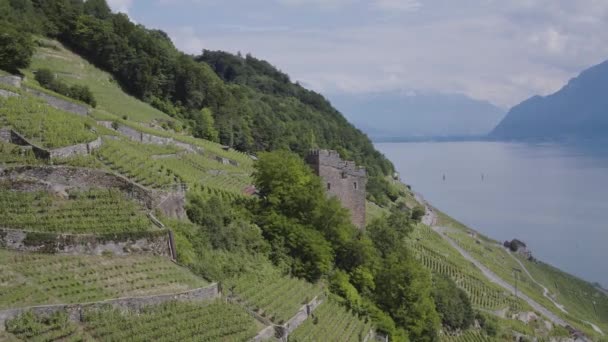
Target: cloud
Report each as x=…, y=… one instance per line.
x=495, y=50
x=121, y=6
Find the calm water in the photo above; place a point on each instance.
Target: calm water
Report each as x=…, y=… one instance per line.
x=555, y=198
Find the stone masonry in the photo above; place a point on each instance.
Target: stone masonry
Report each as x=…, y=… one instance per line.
x=342, y=179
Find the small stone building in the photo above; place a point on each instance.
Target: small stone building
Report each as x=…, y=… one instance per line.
x=342, y=179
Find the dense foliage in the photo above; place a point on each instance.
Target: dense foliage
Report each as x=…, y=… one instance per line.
x=452, y=303
x=254, y=106
x=16, y=48
x=47, y=79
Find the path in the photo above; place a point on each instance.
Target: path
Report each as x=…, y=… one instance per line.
x=430, y=219
x=546, y=292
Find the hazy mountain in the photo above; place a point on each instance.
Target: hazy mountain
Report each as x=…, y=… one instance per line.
x=577, y=111
x=418, y=115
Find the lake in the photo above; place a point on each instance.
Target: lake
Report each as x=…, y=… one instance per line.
x=553, y=197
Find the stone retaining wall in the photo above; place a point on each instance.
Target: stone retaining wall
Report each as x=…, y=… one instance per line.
x=283, y=331
x=133, y=304
x=146, y=138
x=62, y=152
x=13, y=81
x=45, y=178
x=148, y=242
x=60, y=104
x=6, y=93
x=5, y=134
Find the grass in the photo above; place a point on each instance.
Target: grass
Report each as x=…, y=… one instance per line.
x=11, y=154
x=273, y=296
x=45, y=125
x=93, y=211
x=73, y=69
x=28, y=279
x=332, y=322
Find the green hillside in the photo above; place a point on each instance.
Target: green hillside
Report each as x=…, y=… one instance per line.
x=182, y=131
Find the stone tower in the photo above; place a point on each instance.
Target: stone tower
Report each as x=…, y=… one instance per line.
x=342, y=179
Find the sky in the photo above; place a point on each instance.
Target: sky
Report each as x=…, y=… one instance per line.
x=501, y=51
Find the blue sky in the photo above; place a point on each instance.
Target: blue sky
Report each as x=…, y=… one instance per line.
x=502, y=51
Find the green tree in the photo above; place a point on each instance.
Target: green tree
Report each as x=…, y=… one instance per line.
x=452, y=303
x=205, y=125
x=16, y=48
x=403, y=290
x=97, y=8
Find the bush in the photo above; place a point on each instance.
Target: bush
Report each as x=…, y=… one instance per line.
x=82, y=93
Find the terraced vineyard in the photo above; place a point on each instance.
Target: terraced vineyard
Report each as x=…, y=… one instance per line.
x=136, y=161
x=32, y=279
x=273, y=296
x=217, y=321
x=125, y=157
x=45, y=125
x=426, y=244
x=93, y=211
x=469, y=336
x=331, y=322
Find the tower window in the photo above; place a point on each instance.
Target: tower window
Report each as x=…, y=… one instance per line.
x=355, y=185
x=328, y=186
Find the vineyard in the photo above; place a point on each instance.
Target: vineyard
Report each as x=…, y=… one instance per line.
x=45, y=125
x=426, y=244
x=273, y=296
x=217, y=321
x=136, y=161
x=331, y=322
x=33, y=279
x=93, y=211
x=469, y=336
x=172, y=321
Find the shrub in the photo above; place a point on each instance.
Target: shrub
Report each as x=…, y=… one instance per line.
x=82, y=93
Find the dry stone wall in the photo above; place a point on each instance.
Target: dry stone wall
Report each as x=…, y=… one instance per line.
x=148, y=243
x=132, y=304
x=13, y=81
x=6, y=93
x=60, y=104
x=43, y=153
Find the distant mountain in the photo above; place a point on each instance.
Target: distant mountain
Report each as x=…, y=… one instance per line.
x=412, y=115
x=577, y=111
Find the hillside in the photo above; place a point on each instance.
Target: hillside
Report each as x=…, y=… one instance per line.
x=578, y=111
x=116, y=223
x=418, y=115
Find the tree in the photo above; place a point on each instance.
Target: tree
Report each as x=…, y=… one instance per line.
x=205, y=126
x=403, y=290
x=97, y=8
x=16, y=48
x=452, y=303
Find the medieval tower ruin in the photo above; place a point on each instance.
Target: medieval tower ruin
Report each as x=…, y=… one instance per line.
x=342, y=179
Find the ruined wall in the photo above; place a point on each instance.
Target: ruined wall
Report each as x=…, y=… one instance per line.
x=342, y=179
x=133, y=304
x=60, y=104
x=149, y=243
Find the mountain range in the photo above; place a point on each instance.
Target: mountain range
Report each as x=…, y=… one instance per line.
x=577, y=111
x=401, y=115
